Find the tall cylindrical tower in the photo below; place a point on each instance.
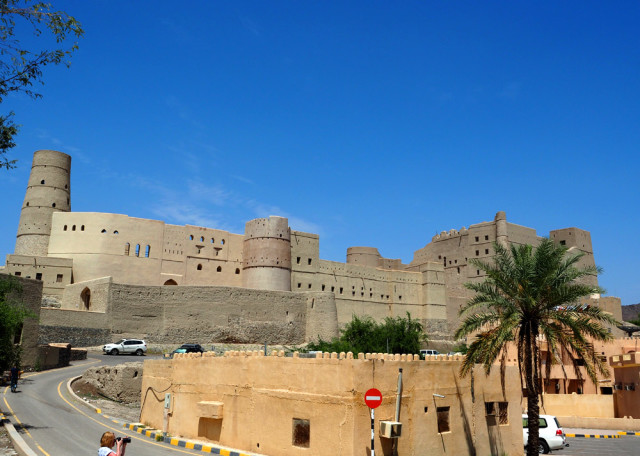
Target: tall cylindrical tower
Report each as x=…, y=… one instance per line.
x=266, y=254
x=501, y=229
x=48, y=191
x=365, y=256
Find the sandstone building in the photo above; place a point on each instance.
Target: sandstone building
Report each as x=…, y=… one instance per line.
x=292, y=406
x=266, y=284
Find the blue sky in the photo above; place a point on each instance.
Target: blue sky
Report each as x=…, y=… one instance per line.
x=368, y=122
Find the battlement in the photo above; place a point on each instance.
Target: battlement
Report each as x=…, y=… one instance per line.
x=450, y=234
x=324, y=355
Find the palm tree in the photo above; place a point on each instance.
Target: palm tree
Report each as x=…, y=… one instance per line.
x=529, y=295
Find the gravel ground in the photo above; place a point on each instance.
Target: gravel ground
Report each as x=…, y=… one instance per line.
x=6, y=448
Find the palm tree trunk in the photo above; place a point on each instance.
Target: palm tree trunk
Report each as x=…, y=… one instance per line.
x=533, y=409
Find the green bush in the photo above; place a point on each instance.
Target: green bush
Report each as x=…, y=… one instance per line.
x=363, y=335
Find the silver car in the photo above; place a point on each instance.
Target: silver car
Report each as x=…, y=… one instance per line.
x=128, y=346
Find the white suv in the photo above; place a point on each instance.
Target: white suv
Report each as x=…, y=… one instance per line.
x=551, y=434
x=130, y=346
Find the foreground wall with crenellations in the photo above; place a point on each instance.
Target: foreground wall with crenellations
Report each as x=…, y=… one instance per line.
x=259, y=403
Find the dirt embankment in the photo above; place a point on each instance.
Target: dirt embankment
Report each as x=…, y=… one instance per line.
x=114, y=389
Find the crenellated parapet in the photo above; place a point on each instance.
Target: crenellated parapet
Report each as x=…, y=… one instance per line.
x=450, y=234
x=347, y=356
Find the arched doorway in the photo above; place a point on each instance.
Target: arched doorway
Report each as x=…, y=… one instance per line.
x=85, y=296
x=171, y=282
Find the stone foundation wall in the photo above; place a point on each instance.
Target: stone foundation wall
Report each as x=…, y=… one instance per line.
x=76, y=336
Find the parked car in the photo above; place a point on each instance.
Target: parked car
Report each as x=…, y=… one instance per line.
x=551, y=434
x=424, y=353
x=185, y=348
x=126, y=346
x=191, y=348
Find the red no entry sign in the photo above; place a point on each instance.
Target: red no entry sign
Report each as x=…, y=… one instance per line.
x=373, y=398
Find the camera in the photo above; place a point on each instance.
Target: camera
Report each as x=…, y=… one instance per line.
x=124, y=439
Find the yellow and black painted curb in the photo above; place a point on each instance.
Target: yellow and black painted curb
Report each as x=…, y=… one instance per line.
x=595, y=436
x=182, y=443
x=629, y=433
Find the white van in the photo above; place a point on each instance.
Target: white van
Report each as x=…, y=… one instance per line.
x=424, y=353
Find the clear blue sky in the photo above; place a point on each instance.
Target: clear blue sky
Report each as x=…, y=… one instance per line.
x=368, y=122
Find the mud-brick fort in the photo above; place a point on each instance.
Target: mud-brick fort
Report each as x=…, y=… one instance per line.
x=110, y=275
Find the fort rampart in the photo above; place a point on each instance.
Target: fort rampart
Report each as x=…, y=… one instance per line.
x=292, y=406
x=164, y=314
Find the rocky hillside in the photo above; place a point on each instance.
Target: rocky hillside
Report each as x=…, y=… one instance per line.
x=630, y=312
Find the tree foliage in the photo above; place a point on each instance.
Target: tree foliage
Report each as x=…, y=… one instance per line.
x=531, y=295
x=21, y=68
x=12, y=315
x=363, y=335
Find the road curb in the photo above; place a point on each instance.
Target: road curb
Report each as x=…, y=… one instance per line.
x=595, y=436
x=629, y=433
x=18, y=442
x=157, y=435
x=78, y=398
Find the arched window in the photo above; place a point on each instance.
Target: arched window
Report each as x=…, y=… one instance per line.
x=73, y=228
x=103, y=230
x=219, y=269
x=171, y=282
x=213, y=240
x=137, y=249
x=85, y=296
x=127, y=246
x=82, y=228
x=222, y=242
x=65, y=228
x=42, y=181
x=237, y=270
x=191, y=237
x=53, y=205
x=147, y=250
x=115, y=232
x=201, y=238
x=199, y=267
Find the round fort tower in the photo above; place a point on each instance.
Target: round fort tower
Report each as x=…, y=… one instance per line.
x=266, y=254
x=365, y=256
x=48, y=191
x=501, y=229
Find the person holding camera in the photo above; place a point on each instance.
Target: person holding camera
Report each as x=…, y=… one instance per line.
x=107, y=442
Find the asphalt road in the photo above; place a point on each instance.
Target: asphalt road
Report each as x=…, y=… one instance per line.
x=579, y=446
x=52, y=423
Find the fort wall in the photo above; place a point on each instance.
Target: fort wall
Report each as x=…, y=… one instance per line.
x=29, y=295
x=163, y=314
x=55, y=273
x=145, y=252
x=256, y=403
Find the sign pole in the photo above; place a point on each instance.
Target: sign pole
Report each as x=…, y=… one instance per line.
x=372, y=431
x=373, y=399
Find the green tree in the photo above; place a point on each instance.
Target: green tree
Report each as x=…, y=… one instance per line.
x=363, y=335
x=12, y=315
x=21, y=68
x=531, y=294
